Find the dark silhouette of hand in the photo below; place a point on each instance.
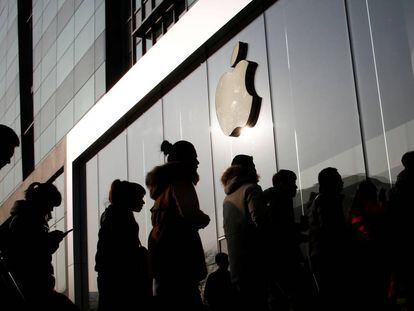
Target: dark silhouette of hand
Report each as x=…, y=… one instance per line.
x=55, y=237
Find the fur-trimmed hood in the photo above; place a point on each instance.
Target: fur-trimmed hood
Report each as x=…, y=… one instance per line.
x=160, y=177
x=236, y=176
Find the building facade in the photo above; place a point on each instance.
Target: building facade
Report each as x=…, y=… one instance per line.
x=335, y=80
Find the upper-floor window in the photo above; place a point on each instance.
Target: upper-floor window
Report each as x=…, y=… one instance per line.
x=151, y=19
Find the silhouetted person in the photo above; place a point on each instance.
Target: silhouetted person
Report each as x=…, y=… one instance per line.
x=243, y=213
x=219, y=292
x=370, y=267
x=402, y=229
x=10, y=292
x=290, y=285
x=328, y=245
x=30, y=245
x=176, y=252
x=123, y=280
x=9, y=141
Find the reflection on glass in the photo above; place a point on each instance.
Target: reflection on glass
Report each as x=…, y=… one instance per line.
x=168, y=19
x=191, y=2
x=157, y=32
x=138, y=48
x=147, y=8
x=179, y=9
x=148, y=41
x=157, y=2
x=138, y=18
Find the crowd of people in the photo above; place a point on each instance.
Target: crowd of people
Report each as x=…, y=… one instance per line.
x=332, y=258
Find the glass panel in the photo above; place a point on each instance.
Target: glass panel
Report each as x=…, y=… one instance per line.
x=49, y=13
x=138, y=18
x=100, y=20
x=92, y=197
x=188, y=118
x=384, y=52
x=65, y=14
x=49, y=61
x=157, y=31
x=168, y=19
x=84, y=69
x=84, y=99
x=83, y=14
x=179, y=9
x=64, y=121
x=84, y=40
x=144, y=138
x=137, y=4
x=48, y=87
x=99, y=50
x=257, y=141
x=147, y=9
x=65, y=65
x=100, y=84
x=191, y=2
x=47, y=140
x=148, y=41
x=157, y=2
x=138, y=49
x=307, y=103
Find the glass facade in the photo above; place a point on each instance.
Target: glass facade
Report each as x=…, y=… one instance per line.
x=58, y=222
x=10, y=175
x=335, y=77
x=68, y=61
x=330, y=97
x=152, y=19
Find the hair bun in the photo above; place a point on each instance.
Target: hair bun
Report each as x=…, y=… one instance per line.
x=166, y=147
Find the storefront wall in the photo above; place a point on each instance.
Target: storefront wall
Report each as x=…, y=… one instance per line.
x=327, y=80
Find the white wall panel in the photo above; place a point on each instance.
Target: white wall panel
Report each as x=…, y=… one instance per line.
x=186, y=117
x=257, y=141
x=144, y=137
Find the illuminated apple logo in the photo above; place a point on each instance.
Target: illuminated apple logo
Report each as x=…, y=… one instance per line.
x=237, y=103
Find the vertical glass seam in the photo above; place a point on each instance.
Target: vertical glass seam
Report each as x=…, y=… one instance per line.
x=374, y=57
x=356, y=88
x=272, y=101
x=212, y=160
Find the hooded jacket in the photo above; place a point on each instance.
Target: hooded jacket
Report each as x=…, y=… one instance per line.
x=243, y=212
x=174, y=245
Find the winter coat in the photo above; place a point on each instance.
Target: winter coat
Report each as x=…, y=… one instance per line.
x=219, y=291
x=120, y=261
x=29, y=248
x=328, y=231
x=243, y=213
x=118, y=243
x=174, y=245
x=282, y=232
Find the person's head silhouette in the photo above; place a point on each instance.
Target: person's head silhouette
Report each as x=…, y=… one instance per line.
x=9, y=141
x=330, y=182
x=184, y=152
x=222, y=261
x=366, y=191
x=407, y=160
x=127, y=194
x=285, y=182
x=243, y=166
x=244, y=160
x=43, y=197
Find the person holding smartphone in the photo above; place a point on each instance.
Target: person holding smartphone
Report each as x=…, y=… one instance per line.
x=30, y=245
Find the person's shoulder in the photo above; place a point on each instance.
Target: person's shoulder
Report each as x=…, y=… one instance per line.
x=269, y=193
x=252, y=188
